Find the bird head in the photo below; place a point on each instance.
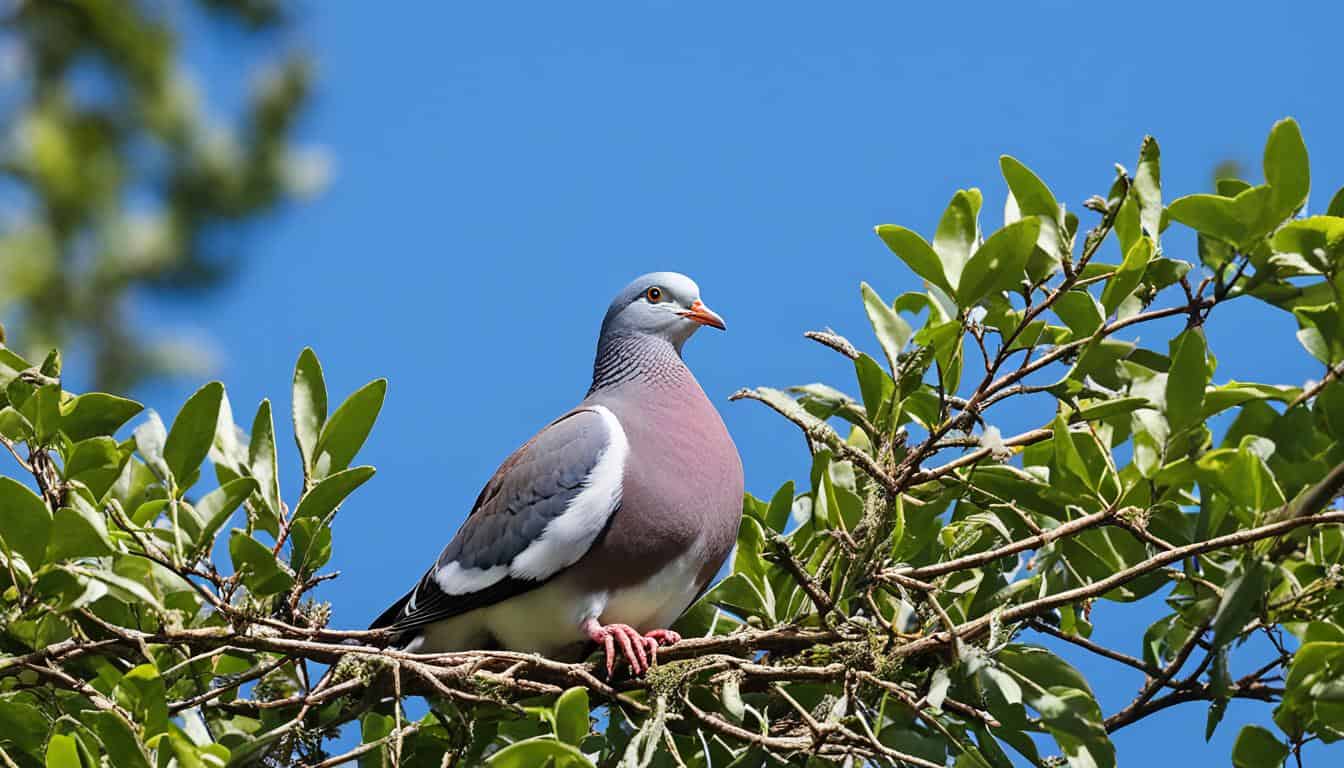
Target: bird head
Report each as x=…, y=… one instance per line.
x=661, y=304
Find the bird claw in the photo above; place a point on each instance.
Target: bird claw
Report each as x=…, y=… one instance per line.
x=640, y=651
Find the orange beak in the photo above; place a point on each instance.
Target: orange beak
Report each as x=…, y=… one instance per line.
x=703, y=315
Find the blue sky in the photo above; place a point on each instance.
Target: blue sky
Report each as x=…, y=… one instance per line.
x=501, y=169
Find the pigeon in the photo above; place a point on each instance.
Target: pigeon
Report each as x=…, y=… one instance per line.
x=603, y=528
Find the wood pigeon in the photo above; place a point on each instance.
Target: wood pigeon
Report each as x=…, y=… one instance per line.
x=610, y=522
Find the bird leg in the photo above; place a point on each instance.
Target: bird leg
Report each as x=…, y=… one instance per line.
x=638, y=649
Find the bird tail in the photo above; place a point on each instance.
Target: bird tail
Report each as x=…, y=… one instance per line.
x=394, y=611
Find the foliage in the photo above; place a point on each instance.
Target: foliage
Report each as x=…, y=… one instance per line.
x=890, y=610
x=122, y=179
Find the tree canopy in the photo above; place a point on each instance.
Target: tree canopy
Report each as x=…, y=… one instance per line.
x=890, y=609
x=123, y=176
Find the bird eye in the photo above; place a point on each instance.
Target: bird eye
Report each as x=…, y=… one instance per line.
x=654, y=295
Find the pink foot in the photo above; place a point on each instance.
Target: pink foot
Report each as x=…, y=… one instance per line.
x=635, y=647
x=641, y=651
x=664, y=637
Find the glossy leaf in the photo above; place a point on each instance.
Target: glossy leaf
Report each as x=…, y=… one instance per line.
x=347, y=429
x=193, y=431
x=323, y=499
x=917, y=254
x=892, y=332
x=1127, y=277
x=25, y=522
x=94, y=414
x=264, y=465
x=1286, y=168
x=310, y=406
x=999, y=264
x=1186, y=382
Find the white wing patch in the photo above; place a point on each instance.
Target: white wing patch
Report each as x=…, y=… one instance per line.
x=567, y=538
x=453, y=579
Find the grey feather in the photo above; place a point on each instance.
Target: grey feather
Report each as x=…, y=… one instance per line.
x=533, y=487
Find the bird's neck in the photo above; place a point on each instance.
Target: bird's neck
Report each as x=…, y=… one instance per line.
x=629, y=358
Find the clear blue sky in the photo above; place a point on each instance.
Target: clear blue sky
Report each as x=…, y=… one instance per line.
x=502, y=169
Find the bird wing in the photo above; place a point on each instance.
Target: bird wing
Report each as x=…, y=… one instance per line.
x=540, y=513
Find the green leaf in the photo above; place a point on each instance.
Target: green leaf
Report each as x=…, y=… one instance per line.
x=1128, y=276
x=1321, y=332
x=261, y=571
x=1241, y=597
x=1256, y=747
x=1080, y=312
x=781, y=507
x=23, y=725
x=957, y=233
x=309, y=407
x=94, y=414
x=1318, y=239
x=78, y=531
x=14, y=425
x=141, y=691
x=263, y=464
x=571, y=716
x=1336, y=207
x=25, y=522
x=1188, y=376
x=193, y=431
x=916, y=253
x=1000, y=264
x=875, y=384
x=123, y=747
x=1033, y=197
x=538, y=752
x=310, y=549
x=219, y=505
x=893, y=333
x=43, y=411
x=62, y=752
x=348, y=428
x=1238, y=221
x=1286, y=168
x=324, y=497
x=1147, y=188
x=1067, y=457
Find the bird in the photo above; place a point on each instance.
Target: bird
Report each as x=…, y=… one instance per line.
x=602, y=529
